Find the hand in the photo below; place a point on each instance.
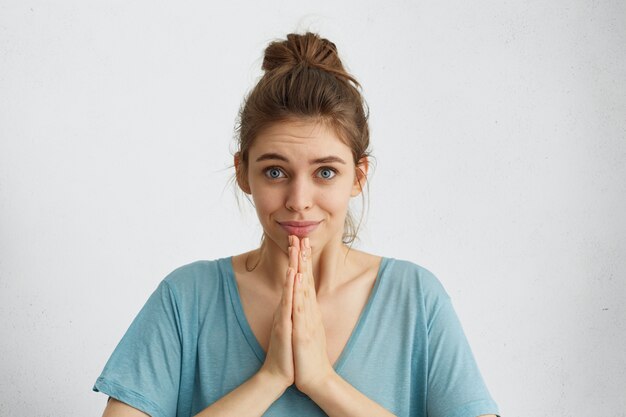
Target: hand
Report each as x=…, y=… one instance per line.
x=279, y=358
x=310, y=354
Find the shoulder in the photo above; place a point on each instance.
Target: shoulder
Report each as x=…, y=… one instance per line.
x=413, y=271
x=401, y=274
x=414, y=279
x=192, y=269
x=363, y=263
x=196, y=275
x=399, y=270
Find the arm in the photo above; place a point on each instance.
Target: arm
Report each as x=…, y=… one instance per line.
x=252, y=398
x=455, y=384
x=257, y=394
x=117, y=408
x=338, y=398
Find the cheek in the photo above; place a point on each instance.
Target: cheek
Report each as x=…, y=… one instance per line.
x=265, y=201
x=337, y=198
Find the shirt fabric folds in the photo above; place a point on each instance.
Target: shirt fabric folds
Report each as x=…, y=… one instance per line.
x=191, y=344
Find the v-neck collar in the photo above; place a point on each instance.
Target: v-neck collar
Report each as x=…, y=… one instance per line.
x=235, y=297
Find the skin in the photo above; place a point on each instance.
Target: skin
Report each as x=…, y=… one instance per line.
x=300, y=269
x=296, y=190
x=302, y=193
x=297, y=349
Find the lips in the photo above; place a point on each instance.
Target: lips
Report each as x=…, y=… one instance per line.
x=300, y=229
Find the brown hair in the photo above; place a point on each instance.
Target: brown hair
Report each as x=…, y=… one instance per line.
x=305, y=79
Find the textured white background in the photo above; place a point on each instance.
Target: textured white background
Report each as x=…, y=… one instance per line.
x=499, y=129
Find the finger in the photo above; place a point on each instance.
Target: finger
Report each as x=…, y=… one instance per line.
x=288, y=292
x=302, y=258
x=296, y=245
x=304, y=289
x=295, y=241
x=291, y=240
x=309, y=264
x=306, y=266
x=306, y=302
x=297, y=302
x=293, y=258
x=303, y=268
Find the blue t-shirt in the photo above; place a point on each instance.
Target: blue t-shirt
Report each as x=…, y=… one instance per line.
x=191, y=344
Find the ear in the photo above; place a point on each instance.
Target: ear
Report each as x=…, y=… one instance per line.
x=241, y=174
x=360, y=176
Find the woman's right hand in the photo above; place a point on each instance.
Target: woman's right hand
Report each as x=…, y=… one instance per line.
x=279, y=358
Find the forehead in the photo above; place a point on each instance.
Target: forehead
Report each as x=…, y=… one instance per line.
x=298, y=139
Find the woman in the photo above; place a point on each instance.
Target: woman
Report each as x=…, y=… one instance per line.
x=304, y=325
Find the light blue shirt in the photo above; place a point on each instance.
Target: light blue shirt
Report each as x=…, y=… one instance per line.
x=191, y=344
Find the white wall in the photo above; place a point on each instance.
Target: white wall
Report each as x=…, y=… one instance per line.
x=500, y=135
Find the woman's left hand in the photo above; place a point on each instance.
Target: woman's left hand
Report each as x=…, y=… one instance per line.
x=310, y=354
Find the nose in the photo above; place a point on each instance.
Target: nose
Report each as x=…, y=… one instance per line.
x=299, y=195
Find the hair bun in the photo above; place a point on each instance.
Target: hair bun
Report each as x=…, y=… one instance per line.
x=308, y=49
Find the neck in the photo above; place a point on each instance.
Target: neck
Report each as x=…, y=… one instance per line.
x=329, y=263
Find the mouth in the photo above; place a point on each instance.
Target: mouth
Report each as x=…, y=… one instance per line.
x=300, y=229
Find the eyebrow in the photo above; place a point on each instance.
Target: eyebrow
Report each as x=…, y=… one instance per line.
x=324, y=160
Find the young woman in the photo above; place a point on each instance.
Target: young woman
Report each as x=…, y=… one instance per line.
x=304, y=325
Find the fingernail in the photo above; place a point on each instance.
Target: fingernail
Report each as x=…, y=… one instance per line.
x=290, y=240
x=289, y=271
x=306, y=243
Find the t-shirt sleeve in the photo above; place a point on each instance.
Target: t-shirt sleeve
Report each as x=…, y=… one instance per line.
x=455, y=385
x=144, y=369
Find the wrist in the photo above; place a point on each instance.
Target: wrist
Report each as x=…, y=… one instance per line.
x=321, y=384
x=276, y=384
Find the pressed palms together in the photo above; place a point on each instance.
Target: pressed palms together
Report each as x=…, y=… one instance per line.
x=297, y=349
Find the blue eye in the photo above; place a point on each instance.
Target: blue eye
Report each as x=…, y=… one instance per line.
x=273, y=173
x=328, y=173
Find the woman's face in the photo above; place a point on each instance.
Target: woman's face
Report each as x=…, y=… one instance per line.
x=301, y=177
